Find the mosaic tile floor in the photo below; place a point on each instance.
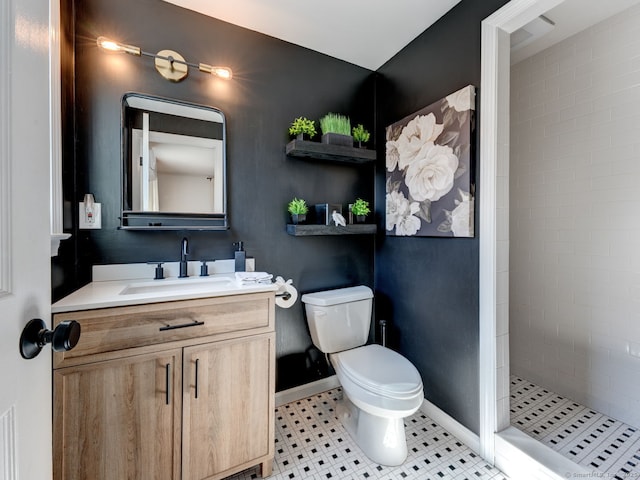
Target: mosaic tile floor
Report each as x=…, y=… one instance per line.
x=312, y=444
x=585, y=436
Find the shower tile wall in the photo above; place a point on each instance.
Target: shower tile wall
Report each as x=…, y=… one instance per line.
x=575, y=217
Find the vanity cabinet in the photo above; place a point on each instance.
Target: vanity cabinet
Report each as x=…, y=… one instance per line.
x=117, y=417
x=228, y=377
x=172, y=390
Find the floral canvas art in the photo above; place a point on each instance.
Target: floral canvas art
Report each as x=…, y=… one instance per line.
x=429, y=189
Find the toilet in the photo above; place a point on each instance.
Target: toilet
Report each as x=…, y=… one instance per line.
x=380, y=387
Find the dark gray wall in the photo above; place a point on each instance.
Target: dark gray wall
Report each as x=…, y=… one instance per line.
x=274, y=82
x=428, y=287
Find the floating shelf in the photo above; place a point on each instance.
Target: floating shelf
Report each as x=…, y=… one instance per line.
x=328, y=152
x=353, y=229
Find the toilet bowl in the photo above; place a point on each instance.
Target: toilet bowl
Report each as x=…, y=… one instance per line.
x=380, y=386
x=379, y=380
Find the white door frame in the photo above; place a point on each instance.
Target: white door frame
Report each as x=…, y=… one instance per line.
x=55, y=138
x=503, y=449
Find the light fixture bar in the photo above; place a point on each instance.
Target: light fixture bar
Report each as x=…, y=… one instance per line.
x=170, y=64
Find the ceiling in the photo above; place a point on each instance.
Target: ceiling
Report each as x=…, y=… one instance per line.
x=370, y=32
x=363, y=32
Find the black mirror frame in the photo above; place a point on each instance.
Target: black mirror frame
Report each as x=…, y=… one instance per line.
x=137, y=220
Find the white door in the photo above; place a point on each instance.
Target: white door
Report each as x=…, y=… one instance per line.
x=25, y=285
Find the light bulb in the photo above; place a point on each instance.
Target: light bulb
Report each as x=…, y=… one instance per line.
x=222, y=72
x=111, y=46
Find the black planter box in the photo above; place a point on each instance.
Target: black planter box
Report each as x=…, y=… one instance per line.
x=337, y=139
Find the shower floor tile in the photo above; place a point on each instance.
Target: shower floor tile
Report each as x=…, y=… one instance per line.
x=585, y=436
x=312, y=444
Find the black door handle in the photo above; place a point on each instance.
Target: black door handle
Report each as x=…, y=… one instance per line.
x=36, y=335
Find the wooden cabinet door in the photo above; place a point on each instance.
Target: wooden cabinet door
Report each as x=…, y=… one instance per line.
x=119, y=419
x=228, y=395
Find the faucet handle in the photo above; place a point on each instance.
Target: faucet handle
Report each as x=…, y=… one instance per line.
x=159, y=270
x=204, y=268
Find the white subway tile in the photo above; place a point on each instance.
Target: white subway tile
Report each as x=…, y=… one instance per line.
x=582, y=54
x=574, y=259
x=560, y=127
x=578, y=136
x=577, y=86
x=608, y=98
x=561, y=103
x=502, y=319
x=502, y=344
x=562, y=52
x=574, y=110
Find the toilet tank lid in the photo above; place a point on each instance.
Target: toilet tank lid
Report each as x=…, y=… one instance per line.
x=337, y=296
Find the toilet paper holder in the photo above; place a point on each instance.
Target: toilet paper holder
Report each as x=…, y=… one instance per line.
x=284, y=295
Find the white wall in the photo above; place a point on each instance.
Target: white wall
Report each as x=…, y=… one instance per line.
x=575, y=217
x=186, y=193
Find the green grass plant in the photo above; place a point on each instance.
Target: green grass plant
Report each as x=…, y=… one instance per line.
x=335, y=123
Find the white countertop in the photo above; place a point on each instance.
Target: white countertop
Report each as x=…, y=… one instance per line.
x=112, y=293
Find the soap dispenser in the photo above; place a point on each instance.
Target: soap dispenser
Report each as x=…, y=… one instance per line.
x=241, y=257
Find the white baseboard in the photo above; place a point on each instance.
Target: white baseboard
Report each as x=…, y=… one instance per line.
x=306, y=390
x=517, y=454
x=451, y=425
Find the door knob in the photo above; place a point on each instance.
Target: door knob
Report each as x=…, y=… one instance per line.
x=36, y=335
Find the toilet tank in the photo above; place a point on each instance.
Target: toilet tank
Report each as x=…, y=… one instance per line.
x=339, y=319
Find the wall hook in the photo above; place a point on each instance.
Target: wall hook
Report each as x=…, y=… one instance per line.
x=36, y=335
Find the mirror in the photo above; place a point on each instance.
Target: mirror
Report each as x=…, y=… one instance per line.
x=174, y=165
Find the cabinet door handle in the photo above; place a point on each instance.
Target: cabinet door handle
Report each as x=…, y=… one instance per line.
x=197, y=364
x=167, y=382
x=182, y=325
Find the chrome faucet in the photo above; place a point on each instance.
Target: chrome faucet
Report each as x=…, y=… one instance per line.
x=184, y=252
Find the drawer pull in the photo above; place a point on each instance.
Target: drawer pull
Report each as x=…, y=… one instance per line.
x=182, y=325
x=197, y=363
x=167, y=382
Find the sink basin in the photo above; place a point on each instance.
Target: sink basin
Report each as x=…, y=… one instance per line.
x=182, y=285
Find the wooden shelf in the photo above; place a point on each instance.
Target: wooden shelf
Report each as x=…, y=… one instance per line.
x=328, y=152
x=309, y=230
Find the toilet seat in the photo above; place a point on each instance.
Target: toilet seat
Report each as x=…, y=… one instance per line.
x=379, y=380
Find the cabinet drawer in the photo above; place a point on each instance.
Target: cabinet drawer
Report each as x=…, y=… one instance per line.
x=118, y=328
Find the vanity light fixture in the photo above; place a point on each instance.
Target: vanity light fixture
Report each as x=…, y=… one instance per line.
x=171, y=65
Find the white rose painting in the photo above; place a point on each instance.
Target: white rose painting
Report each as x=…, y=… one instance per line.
x=429, y=177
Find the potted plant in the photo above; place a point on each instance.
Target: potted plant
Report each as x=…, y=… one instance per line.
x=360, y=209
x=336, y=129
x=298, y=210
x=302, y=126
x=360, y=135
